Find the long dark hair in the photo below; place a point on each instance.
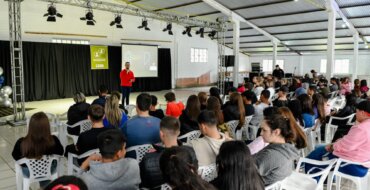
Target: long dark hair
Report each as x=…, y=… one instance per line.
x=296, y=108
x=318, y=101
x=213, y=104
x=179, y=168
x=38, y=139
x=299, y=140
x=193, y=107
x=214, y=91
x=306, y=103
x=236, y=168
x=288, y=132
x=236, y=99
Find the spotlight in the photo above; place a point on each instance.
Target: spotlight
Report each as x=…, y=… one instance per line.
x=117, y=21
x=212, y=34
x=52, y=14
x=201, y=32
x=187, y=31
x=144, y=24
x=89, y=17
x=168, y=28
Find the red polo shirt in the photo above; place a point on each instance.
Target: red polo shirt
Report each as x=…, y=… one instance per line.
x=125, y=77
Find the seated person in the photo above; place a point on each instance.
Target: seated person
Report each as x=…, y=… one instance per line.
x=142, y=128
x=206, y=148
x=158, y=113
x=111, y=170
x=311, y=90
x=103, y=92
x=355, y=146
x=188, y=118
x=67, y=182
x=234, y=109
x=259, y=107
x=282, y=100
x=114, y=116
x=151, y=176
x=77, y=112
x=202, y=96
x=275, y=161
x=308, y=115
x=38, y=142
x=88, y=140
x=248, y=97
x=174, y=108
x=270, y=86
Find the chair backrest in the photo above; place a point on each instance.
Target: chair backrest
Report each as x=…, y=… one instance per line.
x=275, y=186
x=40, y=169
x=274, y=97
x=130, y=108
x=166, y=187
x=140, y=150
x=310, y=139
x=190, y=136
x=231, y=125
x=290, y=95
x=350, y=117
x=208, y=173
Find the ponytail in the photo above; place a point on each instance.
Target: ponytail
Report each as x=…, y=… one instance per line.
x=236, y=98
x=296, y=135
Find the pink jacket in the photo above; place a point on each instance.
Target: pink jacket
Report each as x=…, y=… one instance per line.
x=345, y=88
x=355, y=146
x=257, y=145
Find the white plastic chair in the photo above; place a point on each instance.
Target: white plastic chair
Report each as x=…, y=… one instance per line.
x=310, y=140
x=338, y=103
x=302, y=181
x=39, y=169
x=231, y=125
x=166, y=187
x=208, y=173
x=73, y=169
x=275, y=186
x=360, y=182
x=130, y=108
x=85, y=125
x=274, y=97
x=140, y=150
x=190, y=136
x=290, y=95
x=316, y=132
x=330, y=129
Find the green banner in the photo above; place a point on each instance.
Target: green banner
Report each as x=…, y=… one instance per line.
x=99, y=57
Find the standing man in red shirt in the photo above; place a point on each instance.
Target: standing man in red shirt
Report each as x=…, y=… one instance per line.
x=127, y=78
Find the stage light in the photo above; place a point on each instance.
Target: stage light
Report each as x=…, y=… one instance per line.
x=144, y=24
x=117, y=21
x=187, y=31
x=52, y=14
x=212, y=34
x=201, y=32
x=89, y=17
x=168, y=28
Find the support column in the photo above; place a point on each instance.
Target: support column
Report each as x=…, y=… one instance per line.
x=331, y=39
x=301, y=65
x=355, y=56
x=236, y=40
x=274, y=56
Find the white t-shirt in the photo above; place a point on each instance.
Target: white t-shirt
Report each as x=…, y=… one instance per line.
x=258, y=113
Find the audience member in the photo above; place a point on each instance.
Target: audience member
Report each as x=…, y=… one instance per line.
x=363, y=87
x=318, y=104
x=241, y=87
x=300, y=137
x=88, y=140
x=323, y=87
x=206, y=148
x=311, y=90
x=103, y=92
x=270, y=87
x=248, y=86
x=202, y=96
x=38, y=142
x=214, y=105
x=345, y=86
x=334, y=84
x=179, y=167
x=314, y=73
x=67, y=183
x=282, y=100
x=278, y=72
x=214, y=91
x=151, y=176
x=248, y=97
x=188, y=118
x=259, y=86
x=301, y=90
x=308, y=115
x=279, y=134
x=296, y=83
x=174, y=108
x=77, y=112
x=259, y=107
x=111, y=170
x=158, y=113
x=142, y=128
x=296, y=108
x=234, y=108
x=114, y=116
x=236, y=168
x=354, y=146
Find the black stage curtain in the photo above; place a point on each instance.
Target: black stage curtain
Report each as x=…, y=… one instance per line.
x=58, y=70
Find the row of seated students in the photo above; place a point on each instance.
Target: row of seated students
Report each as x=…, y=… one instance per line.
x=139, y=130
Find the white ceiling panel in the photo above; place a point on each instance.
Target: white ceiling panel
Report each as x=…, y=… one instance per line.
x=357, y=11
x=191, y=9
x=158, y=4
x=231, y=4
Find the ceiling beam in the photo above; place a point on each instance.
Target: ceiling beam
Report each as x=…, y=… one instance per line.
x=177, y=6
x=301, y=45
x=302, y=51
x=298, y=39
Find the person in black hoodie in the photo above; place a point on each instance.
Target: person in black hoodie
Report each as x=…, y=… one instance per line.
x=158, y=113
x=77, y=112
x=150, y=173
x=188, y=118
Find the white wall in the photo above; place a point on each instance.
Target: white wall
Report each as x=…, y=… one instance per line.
x=33, y=21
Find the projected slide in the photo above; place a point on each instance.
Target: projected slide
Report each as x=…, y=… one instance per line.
x=143, y=59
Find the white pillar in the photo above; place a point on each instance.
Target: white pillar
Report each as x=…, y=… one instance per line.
x=331, y=39
x=274, y=58
x=236, y=40
x=301, y=65
x=355, y=56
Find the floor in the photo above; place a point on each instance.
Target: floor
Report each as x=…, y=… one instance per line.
x=9, y=135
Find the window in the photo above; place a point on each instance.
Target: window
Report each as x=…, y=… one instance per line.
x=267, y=65
x=341, y=66
x=70, y=41
x=198, y=55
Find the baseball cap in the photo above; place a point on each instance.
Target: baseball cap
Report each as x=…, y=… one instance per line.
x=364, y=106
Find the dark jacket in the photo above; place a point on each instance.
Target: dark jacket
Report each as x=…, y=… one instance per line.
x=77, y=112
x=279, y=73
x=231, y=112
x=187, y=124
x=100, y=101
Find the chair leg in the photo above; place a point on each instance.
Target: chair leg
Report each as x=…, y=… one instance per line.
x=330, y=179
x=26, y=184
x=337, y=182
x=70, y=166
